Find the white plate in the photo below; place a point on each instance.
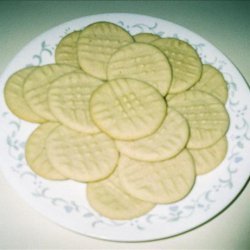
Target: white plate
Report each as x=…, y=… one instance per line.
x=65, y=202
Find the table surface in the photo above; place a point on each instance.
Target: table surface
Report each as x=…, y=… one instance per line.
x=224, y=23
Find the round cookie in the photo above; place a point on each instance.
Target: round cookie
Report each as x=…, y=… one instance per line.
x=36, y=154
x=127, y=109
x=158, y=182
x=165, y=143
x=145, y=37
x=66, y=50
x=206, y=115
x=185, y=62
x=109, y=199
x=142, y=62
x=80, y=156
x=14, y=96
x=212, y=82
x=207, y=159
x=37, y=85
x=69, y=97
x=97, y=42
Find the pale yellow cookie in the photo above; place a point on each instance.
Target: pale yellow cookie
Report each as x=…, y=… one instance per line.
x=158, y=182
x=80, y=156
x=96, y=44
x=142, y=62
x=37, y=85
x=66, y=50
x=36, y=154
x=146, y=37
x=206, y=115
x=109, y=199
x=69, y=97
x=165, y=143
x=127, y=109
x=185, y=62
x=169, y=96
x=14, y=96
x=207, y=159
x=212, y=82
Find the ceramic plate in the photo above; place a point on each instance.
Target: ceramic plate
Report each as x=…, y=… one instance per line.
x=65, y=202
